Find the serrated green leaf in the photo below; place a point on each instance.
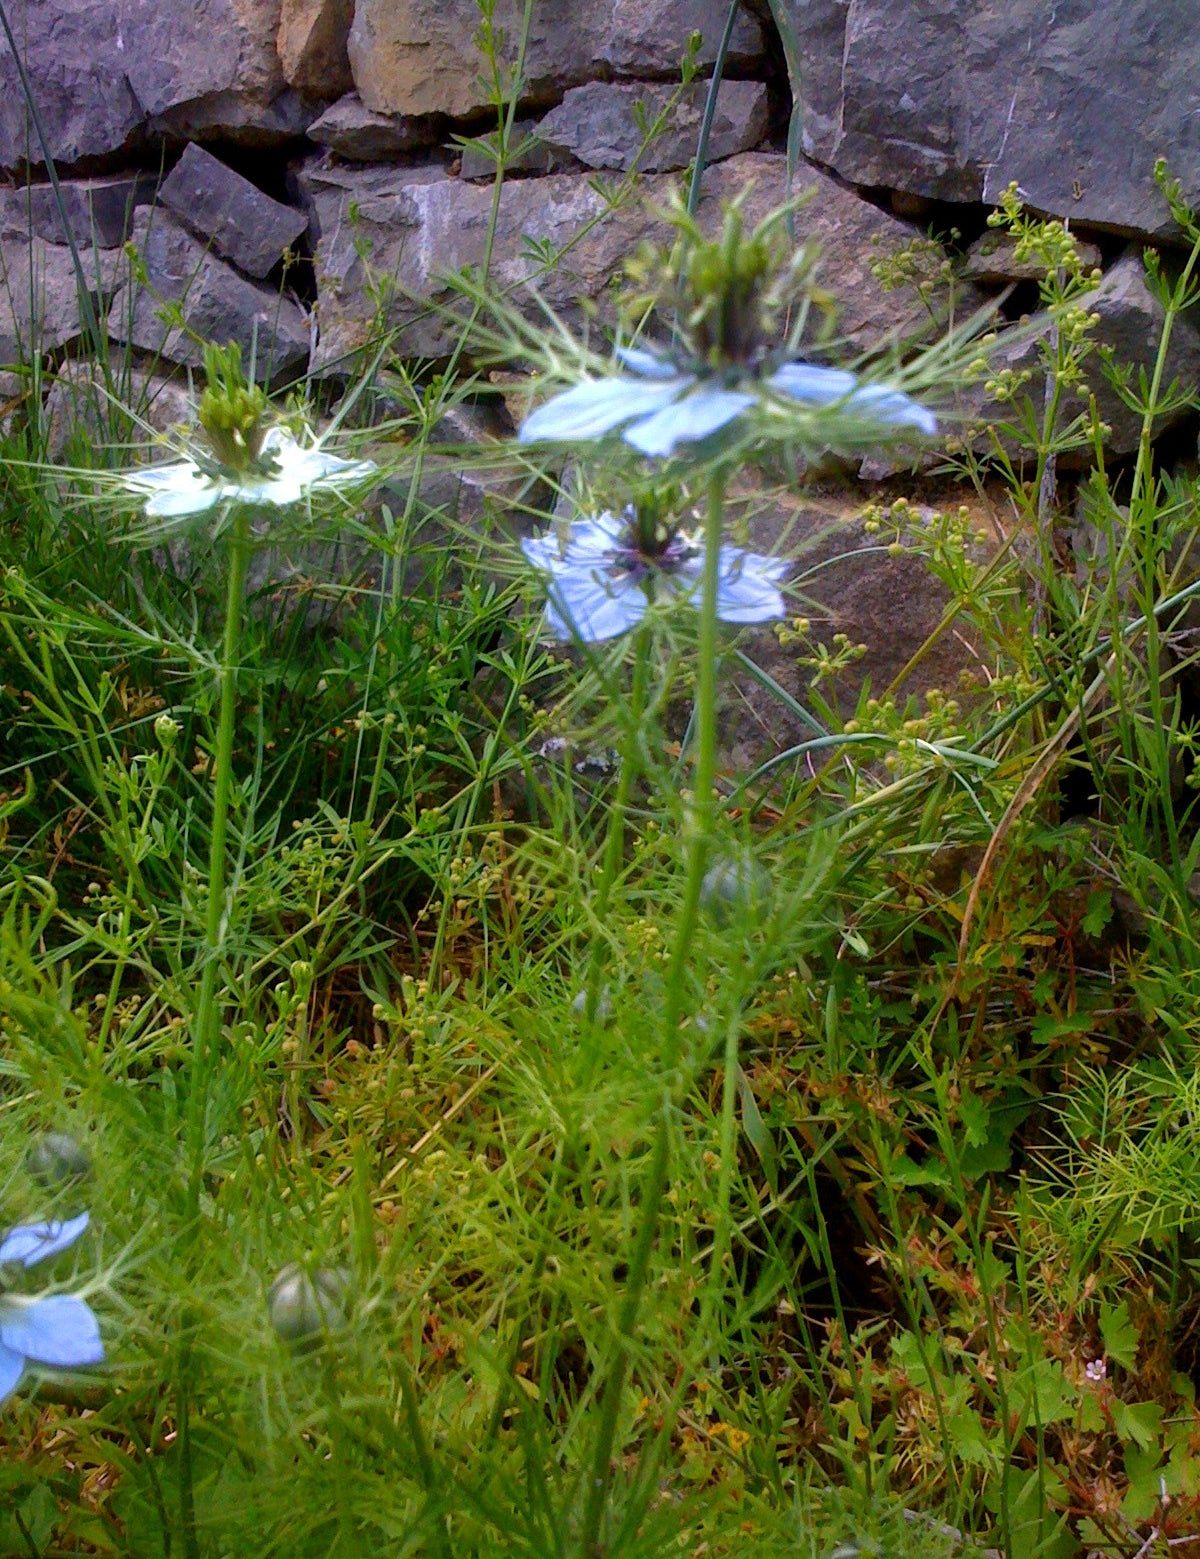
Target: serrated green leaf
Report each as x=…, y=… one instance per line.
x=1120, y=1335
x=1139, y=1423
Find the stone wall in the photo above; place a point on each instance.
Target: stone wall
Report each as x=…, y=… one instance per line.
x=354, y=135
x=293, y=173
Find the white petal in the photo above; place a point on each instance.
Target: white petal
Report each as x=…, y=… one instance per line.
x=34, y=1242
x=648, y=364
x=12, y=1367
x=809, y=382
x=176, y=490
x=687, y=421
x=60, y=1330
x=592, y=409
x=586, y=606
x=309, y=467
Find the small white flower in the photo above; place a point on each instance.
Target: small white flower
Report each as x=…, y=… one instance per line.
x=287, y=472
x=1096, y=1369
x=603, y=576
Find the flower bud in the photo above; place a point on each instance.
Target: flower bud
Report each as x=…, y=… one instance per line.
x=166, y=731
x=306, y=1306
x=58, y=1158
x=734, y=885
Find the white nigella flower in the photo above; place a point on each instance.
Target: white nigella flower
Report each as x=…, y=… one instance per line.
x=608, y=569
x=58, y=1329
x=282, y=473
x=662, y=405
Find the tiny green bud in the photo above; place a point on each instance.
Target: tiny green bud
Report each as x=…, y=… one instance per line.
x=166, y=731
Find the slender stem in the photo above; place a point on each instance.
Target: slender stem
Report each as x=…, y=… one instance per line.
x=207, y=1021
x=206, y=1034
x=701, y=822
x=614, y=844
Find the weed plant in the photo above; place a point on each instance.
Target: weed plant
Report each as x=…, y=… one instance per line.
x=504, y=1131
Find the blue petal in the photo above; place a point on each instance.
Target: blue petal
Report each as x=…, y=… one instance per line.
x=592, y=409
x=542, y=551
x=12, y=1367
x=746, y=585
x=687, y=421
x=891, y=406
x=60, y=1330
x=808, y=382
x=583, y=606
x=593, y=541
x=746, y=591
x=589, y=543
x=33, y=1242
x=648, y=364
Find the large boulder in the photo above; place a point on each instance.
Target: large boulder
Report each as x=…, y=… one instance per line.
x=1073, y=102
x=104, y=73
x=407, y=228
x=72, y=55
x=419, y=57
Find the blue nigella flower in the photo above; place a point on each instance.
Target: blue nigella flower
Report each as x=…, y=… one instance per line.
x=663, y=405
x=58, y=1329
x=608, y=569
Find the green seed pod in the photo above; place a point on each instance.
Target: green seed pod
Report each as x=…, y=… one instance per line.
x=306, y=1306
x=58, y=1158
x=734, y=886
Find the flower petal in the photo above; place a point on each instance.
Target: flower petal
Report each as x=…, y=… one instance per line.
x=34, y=1242
x=746, y=585
x=582, y=605
x=746, y=591
x=687, y=421
x=176, y=490
x=648, y=364
x=586, y=543
x=12, y=1367
x=892, y=406
x=59, y=1330
x=809, y=382
x=594, y=408
x=592, y=541
x=299, y=468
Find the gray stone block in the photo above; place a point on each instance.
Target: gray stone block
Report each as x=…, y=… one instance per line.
x=218, y=304
x=226, y=210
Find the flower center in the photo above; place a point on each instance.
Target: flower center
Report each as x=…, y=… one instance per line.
x=652, y=543
x=233, y=415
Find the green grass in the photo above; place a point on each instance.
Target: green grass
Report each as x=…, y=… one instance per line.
x=789, y=1227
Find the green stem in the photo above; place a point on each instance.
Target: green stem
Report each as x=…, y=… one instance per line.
x=700, y=826
x=614, y=844
x=207, y=1021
